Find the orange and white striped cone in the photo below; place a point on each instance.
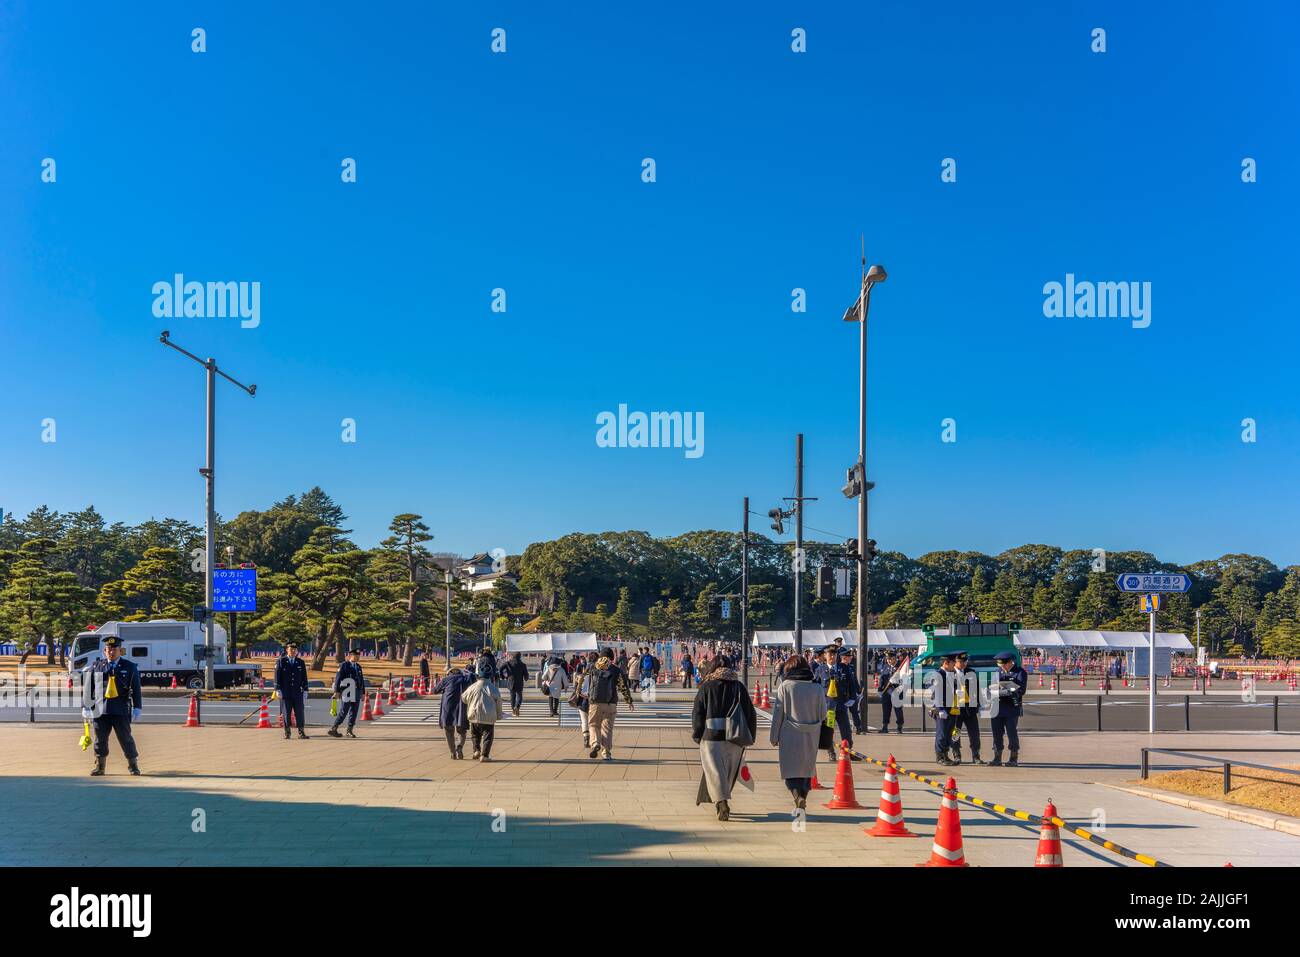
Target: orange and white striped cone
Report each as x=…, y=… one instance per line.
x=174, y=685
x=192, y=719
x=365, y=708
x=816, y=785
x=1081, y=684
x=1040, y=679
x=843, y=797
x=379, y=706
x=767, y=698
x=264, y=718
x=392, y=695
x=1290, y=683
x=1049, y=840
x=889, y=819
x=947, y=851
x=401, y=692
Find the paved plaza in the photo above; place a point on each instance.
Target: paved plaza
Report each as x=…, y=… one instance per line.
x=394, y=796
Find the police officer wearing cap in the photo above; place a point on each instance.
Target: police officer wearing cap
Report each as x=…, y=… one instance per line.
x=349, y=687
x=1012, y=681
x=968, y=717
x=111, y=698
x=945, y=708
x=291, y=687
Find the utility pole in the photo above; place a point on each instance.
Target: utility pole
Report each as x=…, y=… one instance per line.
x=798, y=544
x=209, y=473
x=449, y=576
x=744, y=597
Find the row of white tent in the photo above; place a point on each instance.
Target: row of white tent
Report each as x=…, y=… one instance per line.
x=1027, y=638
x=553, y=642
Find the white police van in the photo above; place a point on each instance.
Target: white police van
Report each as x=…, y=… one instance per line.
x=162, y=650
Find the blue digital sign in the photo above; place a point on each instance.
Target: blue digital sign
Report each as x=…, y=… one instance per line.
x=234, y=589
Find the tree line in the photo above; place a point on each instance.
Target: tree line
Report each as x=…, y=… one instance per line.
x=60, y=572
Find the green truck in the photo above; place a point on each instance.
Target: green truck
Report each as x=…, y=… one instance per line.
x=980, y=640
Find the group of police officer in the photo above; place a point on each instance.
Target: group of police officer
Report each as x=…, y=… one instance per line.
x=956, y=706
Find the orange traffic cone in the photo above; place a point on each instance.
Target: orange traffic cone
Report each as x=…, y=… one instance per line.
x=264, y=719
x=192, y=719
x=843, y=796
x=1049, y=840
x=365, y=708
x=379, y=706
x=767, y=699
x=816, y=786
x=392, y=694
x=889, y=819
x=174, y=684
x=946, y=851
x=401, y=692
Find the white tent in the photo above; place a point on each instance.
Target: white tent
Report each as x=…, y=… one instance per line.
x=548, y=642
x=1101, y=640
x=820, y=638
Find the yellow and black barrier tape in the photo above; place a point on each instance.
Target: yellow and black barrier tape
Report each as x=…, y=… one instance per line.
x=1023, y=815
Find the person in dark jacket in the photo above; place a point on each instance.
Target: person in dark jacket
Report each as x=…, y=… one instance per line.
x=688, y=669
x=720, y=692
x=890, y=666
x=452, y=716
x=830, y=670
x=291, y=688
x=486, y=666
x=516, y=672
x=968, y=717
x=349, y=687
x=1012, y=681
x=111, y=699
x=424, y=666
x=603, y=684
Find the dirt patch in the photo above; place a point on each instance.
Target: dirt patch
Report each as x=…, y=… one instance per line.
x=1251, y=787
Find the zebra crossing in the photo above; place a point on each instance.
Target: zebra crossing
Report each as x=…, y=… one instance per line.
x=535, y=713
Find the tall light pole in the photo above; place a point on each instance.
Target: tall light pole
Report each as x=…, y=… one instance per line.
x=448, y=580
x=209, y=473
x=858, y=313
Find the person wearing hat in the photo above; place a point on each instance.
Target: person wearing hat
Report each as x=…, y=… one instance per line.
x=349, y=688
x=1008, y=707
x=291, y=687
x=944, y=708
x=891, y=680
x=111, y=698
x=968, y=717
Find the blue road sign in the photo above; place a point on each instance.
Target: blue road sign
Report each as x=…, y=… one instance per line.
x=234, y=589
x=1157, y=582
x=726, y=608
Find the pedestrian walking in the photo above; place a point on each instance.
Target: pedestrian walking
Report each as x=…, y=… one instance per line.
x=111, y=699
x=424, y=666
x=291, y=688
x=799, y=727
x=452, y=717
x=688, y=670
x=517, y=673
x=349, y=689
x=606, y=684
x=634, y=668
x=482, y=701
x=555, y=682
x=580, y=699
x=722, y=724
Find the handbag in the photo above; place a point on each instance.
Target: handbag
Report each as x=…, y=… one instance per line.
x=738, y=730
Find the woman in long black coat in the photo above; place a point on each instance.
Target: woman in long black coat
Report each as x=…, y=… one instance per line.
x=453, y=718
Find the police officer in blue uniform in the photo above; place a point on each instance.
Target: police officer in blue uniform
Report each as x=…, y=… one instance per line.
x=291, y=687
x=890, y=666
x=111, y=698
x=945, y=708
x=1012, y=681
x=349, y=687
x=968, y=717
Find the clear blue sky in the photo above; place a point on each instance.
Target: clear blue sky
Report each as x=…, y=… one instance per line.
x=522, y=171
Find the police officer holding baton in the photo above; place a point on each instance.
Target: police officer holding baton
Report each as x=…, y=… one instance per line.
x=291, y=687
x=110, y=696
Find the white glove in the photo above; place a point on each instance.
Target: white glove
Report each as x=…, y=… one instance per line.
x=86, y=714
x=135, y=714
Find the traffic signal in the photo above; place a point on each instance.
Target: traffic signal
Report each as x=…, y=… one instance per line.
x=851, y=549
x=778, y=520
x=853, y=481
x=825, y=583
x=871, y=552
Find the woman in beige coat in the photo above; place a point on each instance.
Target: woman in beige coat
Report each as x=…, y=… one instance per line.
x=798, y=713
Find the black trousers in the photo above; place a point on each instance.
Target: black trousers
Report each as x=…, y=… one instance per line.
x=555, y=706
x=887, y=705
x=970, y=720
x=452, y=735
x=119, y=724
x=293, y=707
x=347, y=709
x=1009, y=723
x=483, y=735
x=516, y=698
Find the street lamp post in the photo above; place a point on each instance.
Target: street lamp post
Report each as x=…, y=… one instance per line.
x=209, y=473
x=448, y=580
x=858, y=313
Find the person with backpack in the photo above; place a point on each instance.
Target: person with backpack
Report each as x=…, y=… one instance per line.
x=452, y=717
x=555, y=681
x=648, y=669
x=605, y=685
x=688, y=670
x=483, y=708
x=723, y=723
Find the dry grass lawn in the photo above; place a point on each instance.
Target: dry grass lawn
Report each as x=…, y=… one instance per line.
x=1251, y=787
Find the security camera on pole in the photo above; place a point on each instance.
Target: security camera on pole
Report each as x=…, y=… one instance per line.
x=857, y=485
